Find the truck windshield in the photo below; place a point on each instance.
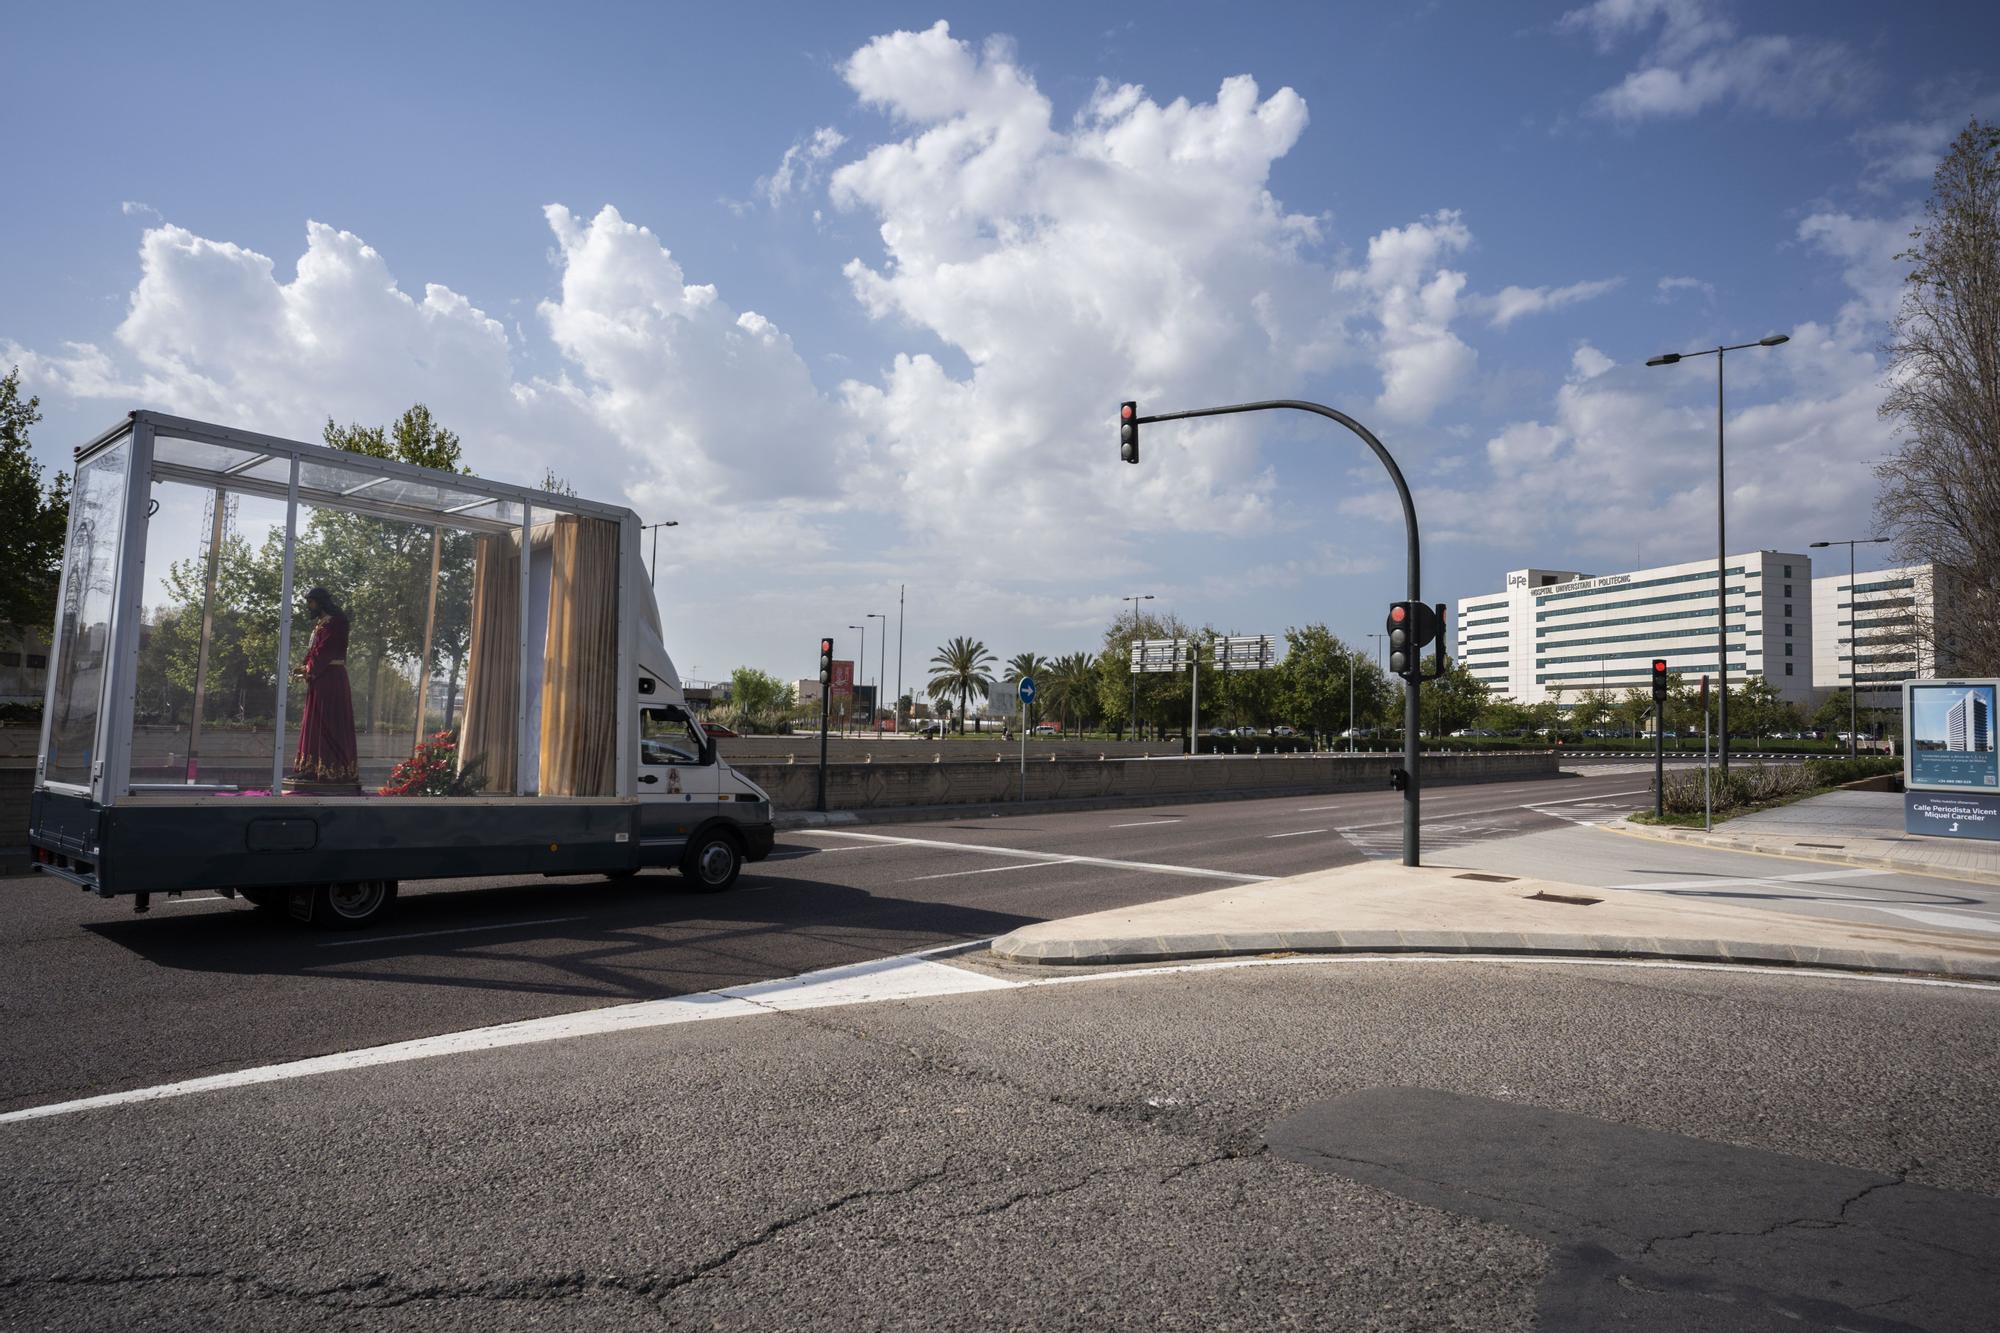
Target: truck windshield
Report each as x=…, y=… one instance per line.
x=83, y=634
x=666, y=736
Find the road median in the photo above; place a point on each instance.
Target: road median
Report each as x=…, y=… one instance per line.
x=1380, y=907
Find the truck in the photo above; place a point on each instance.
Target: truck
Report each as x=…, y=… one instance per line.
x=478, y=684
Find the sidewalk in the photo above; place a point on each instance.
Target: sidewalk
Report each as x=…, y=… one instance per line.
x=1855, y=828
x=1379, y=907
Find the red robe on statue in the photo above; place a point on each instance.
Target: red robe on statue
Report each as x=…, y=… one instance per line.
x=326, y=728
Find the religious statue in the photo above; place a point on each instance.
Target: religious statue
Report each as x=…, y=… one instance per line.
x=326, y=761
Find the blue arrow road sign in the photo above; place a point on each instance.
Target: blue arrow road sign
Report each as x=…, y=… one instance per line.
x=1027, y=689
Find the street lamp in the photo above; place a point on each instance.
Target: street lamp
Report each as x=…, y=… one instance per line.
x=860, y=670
x=875, y=705
x=1142, y=597
x=1721, y=540
x=1853, y=632
x=653, y=570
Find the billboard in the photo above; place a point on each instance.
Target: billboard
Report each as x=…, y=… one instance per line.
x=1948, y=735
x=843, y=679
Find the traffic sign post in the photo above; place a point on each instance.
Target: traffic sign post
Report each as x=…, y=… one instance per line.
x=1025, y=691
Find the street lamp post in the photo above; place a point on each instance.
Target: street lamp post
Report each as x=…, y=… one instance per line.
x=875, y=706
x=860, y=669
x=1142, y=597
x=1721, y=537
x=1853, y=634
x=653, y=566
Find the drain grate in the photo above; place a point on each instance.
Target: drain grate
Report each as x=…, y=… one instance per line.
x=1490, y=879
x=1572, y=899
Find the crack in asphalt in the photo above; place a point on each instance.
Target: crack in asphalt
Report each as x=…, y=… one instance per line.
x=1838, y=1220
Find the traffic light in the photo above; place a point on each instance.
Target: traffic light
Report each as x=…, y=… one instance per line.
x=1128, y=432
x=825, y=663
x=1402, y=652
x=1659, y=680
x=1411, y=626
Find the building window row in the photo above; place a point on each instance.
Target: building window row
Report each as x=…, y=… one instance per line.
x=1736, y=591
x=1545, y=645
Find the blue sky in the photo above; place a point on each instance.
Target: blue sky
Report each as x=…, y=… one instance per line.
x=894, y=278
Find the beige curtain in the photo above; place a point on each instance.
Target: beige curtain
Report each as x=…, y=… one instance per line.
x=493, y=663
x=580, y=673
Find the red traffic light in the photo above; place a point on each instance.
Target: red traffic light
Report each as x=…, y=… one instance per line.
x=1659, y=666
x=1128, y=411
x=1396, y=614
x=826, y=645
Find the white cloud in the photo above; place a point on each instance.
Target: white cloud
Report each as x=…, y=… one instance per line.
x=132, y=208
x=1667, y=289
x=1867, y=248
x=1698, y=60
x=1510, y=303
x=1416, y=298
x=799, y=169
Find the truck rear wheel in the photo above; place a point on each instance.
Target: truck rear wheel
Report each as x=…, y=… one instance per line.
x=712, y=861
x=353, y=905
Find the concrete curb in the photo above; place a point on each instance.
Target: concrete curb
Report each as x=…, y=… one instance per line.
x=1169, y=948
x=1794, y=851
x=914, y=814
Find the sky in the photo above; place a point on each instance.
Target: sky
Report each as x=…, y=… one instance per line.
x=853, y=292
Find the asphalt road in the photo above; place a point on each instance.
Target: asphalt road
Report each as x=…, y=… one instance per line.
x=1358, y=1144
x=98, y=998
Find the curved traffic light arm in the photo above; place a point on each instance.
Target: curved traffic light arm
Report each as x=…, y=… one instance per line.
x=1129, y=417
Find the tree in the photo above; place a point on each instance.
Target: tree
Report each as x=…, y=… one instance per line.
x=1940, y=494
x=1633, y=708
x=758, y=701
x=1162, y=695
x=1027, y=664
x=1591, y=709
x=962, y=672
x=1072, y=689
x=1452, y=701
x=33, y=521
x=1311, y=683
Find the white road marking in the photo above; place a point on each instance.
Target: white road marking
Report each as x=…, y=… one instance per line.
x=1506, y=809
x=1146, y=823
x=816, y=851
x=460, y=930
x=1025, y=855
x=184, y=900
x=993, y=870
x=1949, y=920
x=1299, y=834
x=904, y=977
x=1753, y=881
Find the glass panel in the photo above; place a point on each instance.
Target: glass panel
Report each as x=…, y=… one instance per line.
x=209, y=634
x=218, y=458
x=83, y=635
x=667, y=737
x=379, y=685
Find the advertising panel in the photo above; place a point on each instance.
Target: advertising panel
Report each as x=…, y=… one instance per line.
x=843, y=679
x=1948, y=735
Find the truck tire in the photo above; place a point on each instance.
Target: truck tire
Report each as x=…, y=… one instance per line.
x=712, y=861
x=354, y=905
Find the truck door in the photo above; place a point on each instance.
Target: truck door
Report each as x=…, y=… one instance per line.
x=680, y=784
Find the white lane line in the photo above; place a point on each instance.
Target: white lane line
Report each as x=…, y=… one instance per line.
x=433, y=934
x=904, y=977
x=1145, y=823
x=1507, y=809
x=1299, y=834
x=1752, y=881
x=185, y=900
x=899, y=978
x=993, y=870
x=1156, y=867
x=816, y=851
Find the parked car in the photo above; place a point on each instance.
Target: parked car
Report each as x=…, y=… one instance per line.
x=1047, y=729
x=717, y=729
x=1284, y=731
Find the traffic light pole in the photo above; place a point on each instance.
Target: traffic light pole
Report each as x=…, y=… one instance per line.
x=1412, y=735
x=825, y=706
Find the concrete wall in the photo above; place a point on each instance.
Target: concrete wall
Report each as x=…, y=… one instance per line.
x=870, y=786
x=912, y=750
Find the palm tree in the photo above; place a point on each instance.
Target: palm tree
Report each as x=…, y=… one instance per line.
x=1072, y=687
x=962, y=671
x=1027, y=664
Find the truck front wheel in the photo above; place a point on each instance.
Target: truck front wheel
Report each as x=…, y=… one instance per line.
x=712, y=861
x=353, y=905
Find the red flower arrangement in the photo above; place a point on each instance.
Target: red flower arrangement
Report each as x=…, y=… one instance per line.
x=433, y=770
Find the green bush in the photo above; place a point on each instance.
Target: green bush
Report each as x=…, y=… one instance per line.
x=1740, y=786
x=1834, y=772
